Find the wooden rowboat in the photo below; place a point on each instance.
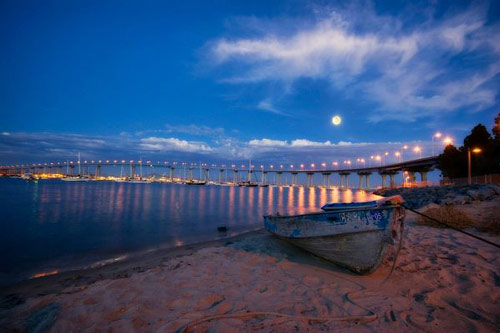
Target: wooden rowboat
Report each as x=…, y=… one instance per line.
x=355, y=237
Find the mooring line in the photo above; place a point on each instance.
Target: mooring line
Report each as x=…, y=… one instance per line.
x=451, y=227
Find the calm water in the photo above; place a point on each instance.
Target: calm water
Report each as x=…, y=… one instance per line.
x=54, y=226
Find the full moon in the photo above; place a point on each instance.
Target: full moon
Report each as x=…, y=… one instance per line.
x=336, y=120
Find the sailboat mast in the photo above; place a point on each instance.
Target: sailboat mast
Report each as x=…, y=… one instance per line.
x=79, y=165
x=140, y=167
x=249, y=170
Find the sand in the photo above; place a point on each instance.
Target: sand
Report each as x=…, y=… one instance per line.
x=443, y=281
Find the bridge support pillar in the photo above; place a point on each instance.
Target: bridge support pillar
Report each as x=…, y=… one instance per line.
x=235, y=176
x=392, y=181
x=190, y=174
x=326, y=179
x=310, y=179
x=361, y=176
x=344, y=179
x=367, y=181
x=249, y=176
x=278, y=178
x=98, y=171
x=294, y=179
x=221, y=173
x=264, y=175
x=172, y=174
x=384, y=178
x=132, y=170
x=411, y=176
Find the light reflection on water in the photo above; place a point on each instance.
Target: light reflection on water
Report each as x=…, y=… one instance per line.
x=48, y=225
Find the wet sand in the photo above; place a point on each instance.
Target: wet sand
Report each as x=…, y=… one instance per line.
x=443, y=280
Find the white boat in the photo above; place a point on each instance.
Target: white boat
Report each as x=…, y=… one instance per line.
x=137, y=181
x=354, y=237
x=75, y=179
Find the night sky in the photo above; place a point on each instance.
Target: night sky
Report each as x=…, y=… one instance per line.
x=237, y=80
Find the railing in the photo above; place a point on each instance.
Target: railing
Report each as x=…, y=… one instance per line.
x=484, y=179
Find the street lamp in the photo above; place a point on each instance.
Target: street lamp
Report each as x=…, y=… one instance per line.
x=418, y=150
x=437, y=136
x=398, y=155
x=475, y=151
x=447, y=141
x=402, y=151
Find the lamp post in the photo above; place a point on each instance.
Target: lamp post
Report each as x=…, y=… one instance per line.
x=402, y=151
x=437, y=136
x=475, y=151
x=418, y=150
x=398, y=155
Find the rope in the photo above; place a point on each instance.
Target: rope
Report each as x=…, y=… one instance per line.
x=401, y=231
x=451, y=227
x=361, y=319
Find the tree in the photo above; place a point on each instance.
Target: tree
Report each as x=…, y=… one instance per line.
x=496, y=128
x=450, y=162
x=479, y=137
x=453, y=161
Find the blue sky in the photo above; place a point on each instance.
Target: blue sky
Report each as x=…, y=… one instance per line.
x=233, y=80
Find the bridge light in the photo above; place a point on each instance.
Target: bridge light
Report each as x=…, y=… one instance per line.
x=437, y=135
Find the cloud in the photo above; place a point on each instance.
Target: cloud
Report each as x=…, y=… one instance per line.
x=173, y=144
x=267, y=106
x=21, y=147
x=191, y=129
x=194, y=129
x=407, y=71
x=267, y=143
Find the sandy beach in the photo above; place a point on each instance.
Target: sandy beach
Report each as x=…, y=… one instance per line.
x=443, y=281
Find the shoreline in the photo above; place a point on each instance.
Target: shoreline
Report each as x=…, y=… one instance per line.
x=53, y=283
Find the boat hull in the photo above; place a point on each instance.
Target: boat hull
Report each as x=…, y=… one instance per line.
x=355, y=239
